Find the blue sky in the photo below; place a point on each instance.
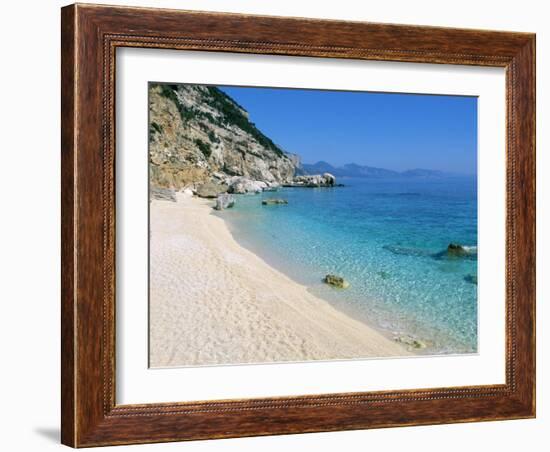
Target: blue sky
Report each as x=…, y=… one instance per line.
x=394, y=131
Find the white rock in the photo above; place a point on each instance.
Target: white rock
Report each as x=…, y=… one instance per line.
x=241, y=185
x=184, y=193
x=224, y=201
x=316, y=180
x=261, y=184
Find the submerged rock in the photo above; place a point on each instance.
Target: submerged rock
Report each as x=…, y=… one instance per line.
x=273, y=201
x=405, y=251
x=336, y=281
x=453, y=251
x=224, y=201
x=211, y=190
x=410, y=342
x=471, y=279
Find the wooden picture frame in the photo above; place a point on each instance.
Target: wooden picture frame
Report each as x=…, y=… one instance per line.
x=90, y=36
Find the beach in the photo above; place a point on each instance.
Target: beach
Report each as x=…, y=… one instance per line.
x=214, y=302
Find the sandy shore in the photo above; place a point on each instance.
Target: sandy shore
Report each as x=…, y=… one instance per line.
x=214, y=302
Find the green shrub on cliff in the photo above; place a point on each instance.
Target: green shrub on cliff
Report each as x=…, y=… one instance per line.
x=169, y=91
x=153, y=129
x=212, y=137
x=232, y=115
x=205, y=148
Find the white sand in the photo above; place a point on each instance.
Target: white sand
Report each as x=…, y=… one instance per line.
x=214, y=302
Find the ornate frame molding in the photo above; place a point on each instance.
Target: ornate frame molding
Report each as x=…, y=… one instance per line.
x=90, y=37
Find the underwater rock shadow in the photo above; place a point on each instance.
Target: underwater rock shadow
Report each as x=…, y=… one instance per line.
x=453, y=252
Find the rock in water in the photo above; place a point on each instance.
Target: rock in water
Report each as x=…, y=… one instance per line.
x=224, y=201
x=211, y=190
x=273, y=201
x=336, y=281
x=471, y=279
x=272, y=186
x=329, y=179
x=410, y=342
x=457, y=250
x=314, y=180
x=242, y=185
x=261, y=184
x=454, y=249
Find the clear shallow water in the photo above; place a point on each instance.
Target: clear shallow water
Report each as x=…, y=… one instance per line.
x=384, y=237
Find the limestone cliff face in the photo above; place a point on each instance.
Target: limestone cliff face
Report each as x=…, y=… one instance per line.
x=197, y=131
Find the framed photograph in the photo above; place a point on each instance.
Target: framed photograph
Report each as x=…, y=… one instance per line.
x=282, y=225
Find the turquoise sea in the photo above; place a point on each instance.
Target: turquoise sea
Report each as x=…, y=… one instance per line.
x=388, y=239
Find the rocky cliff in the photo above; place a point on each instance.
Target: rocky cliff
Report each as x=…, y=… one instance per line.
x=198, y=134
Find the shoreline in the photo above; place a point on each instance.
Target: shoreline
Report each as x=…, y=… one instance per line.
x=214, y=302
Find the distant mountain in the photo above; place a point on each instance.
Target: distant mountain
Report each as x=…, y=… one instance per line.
x=318, y=168
x=355, y=170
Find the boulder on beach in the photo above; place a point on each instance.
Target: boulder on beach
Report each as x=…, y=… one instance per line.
x=273, y=201
x=163, y=194
x=211, y=190
x=336, y=281
x=187, y=191
x=224, y=201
